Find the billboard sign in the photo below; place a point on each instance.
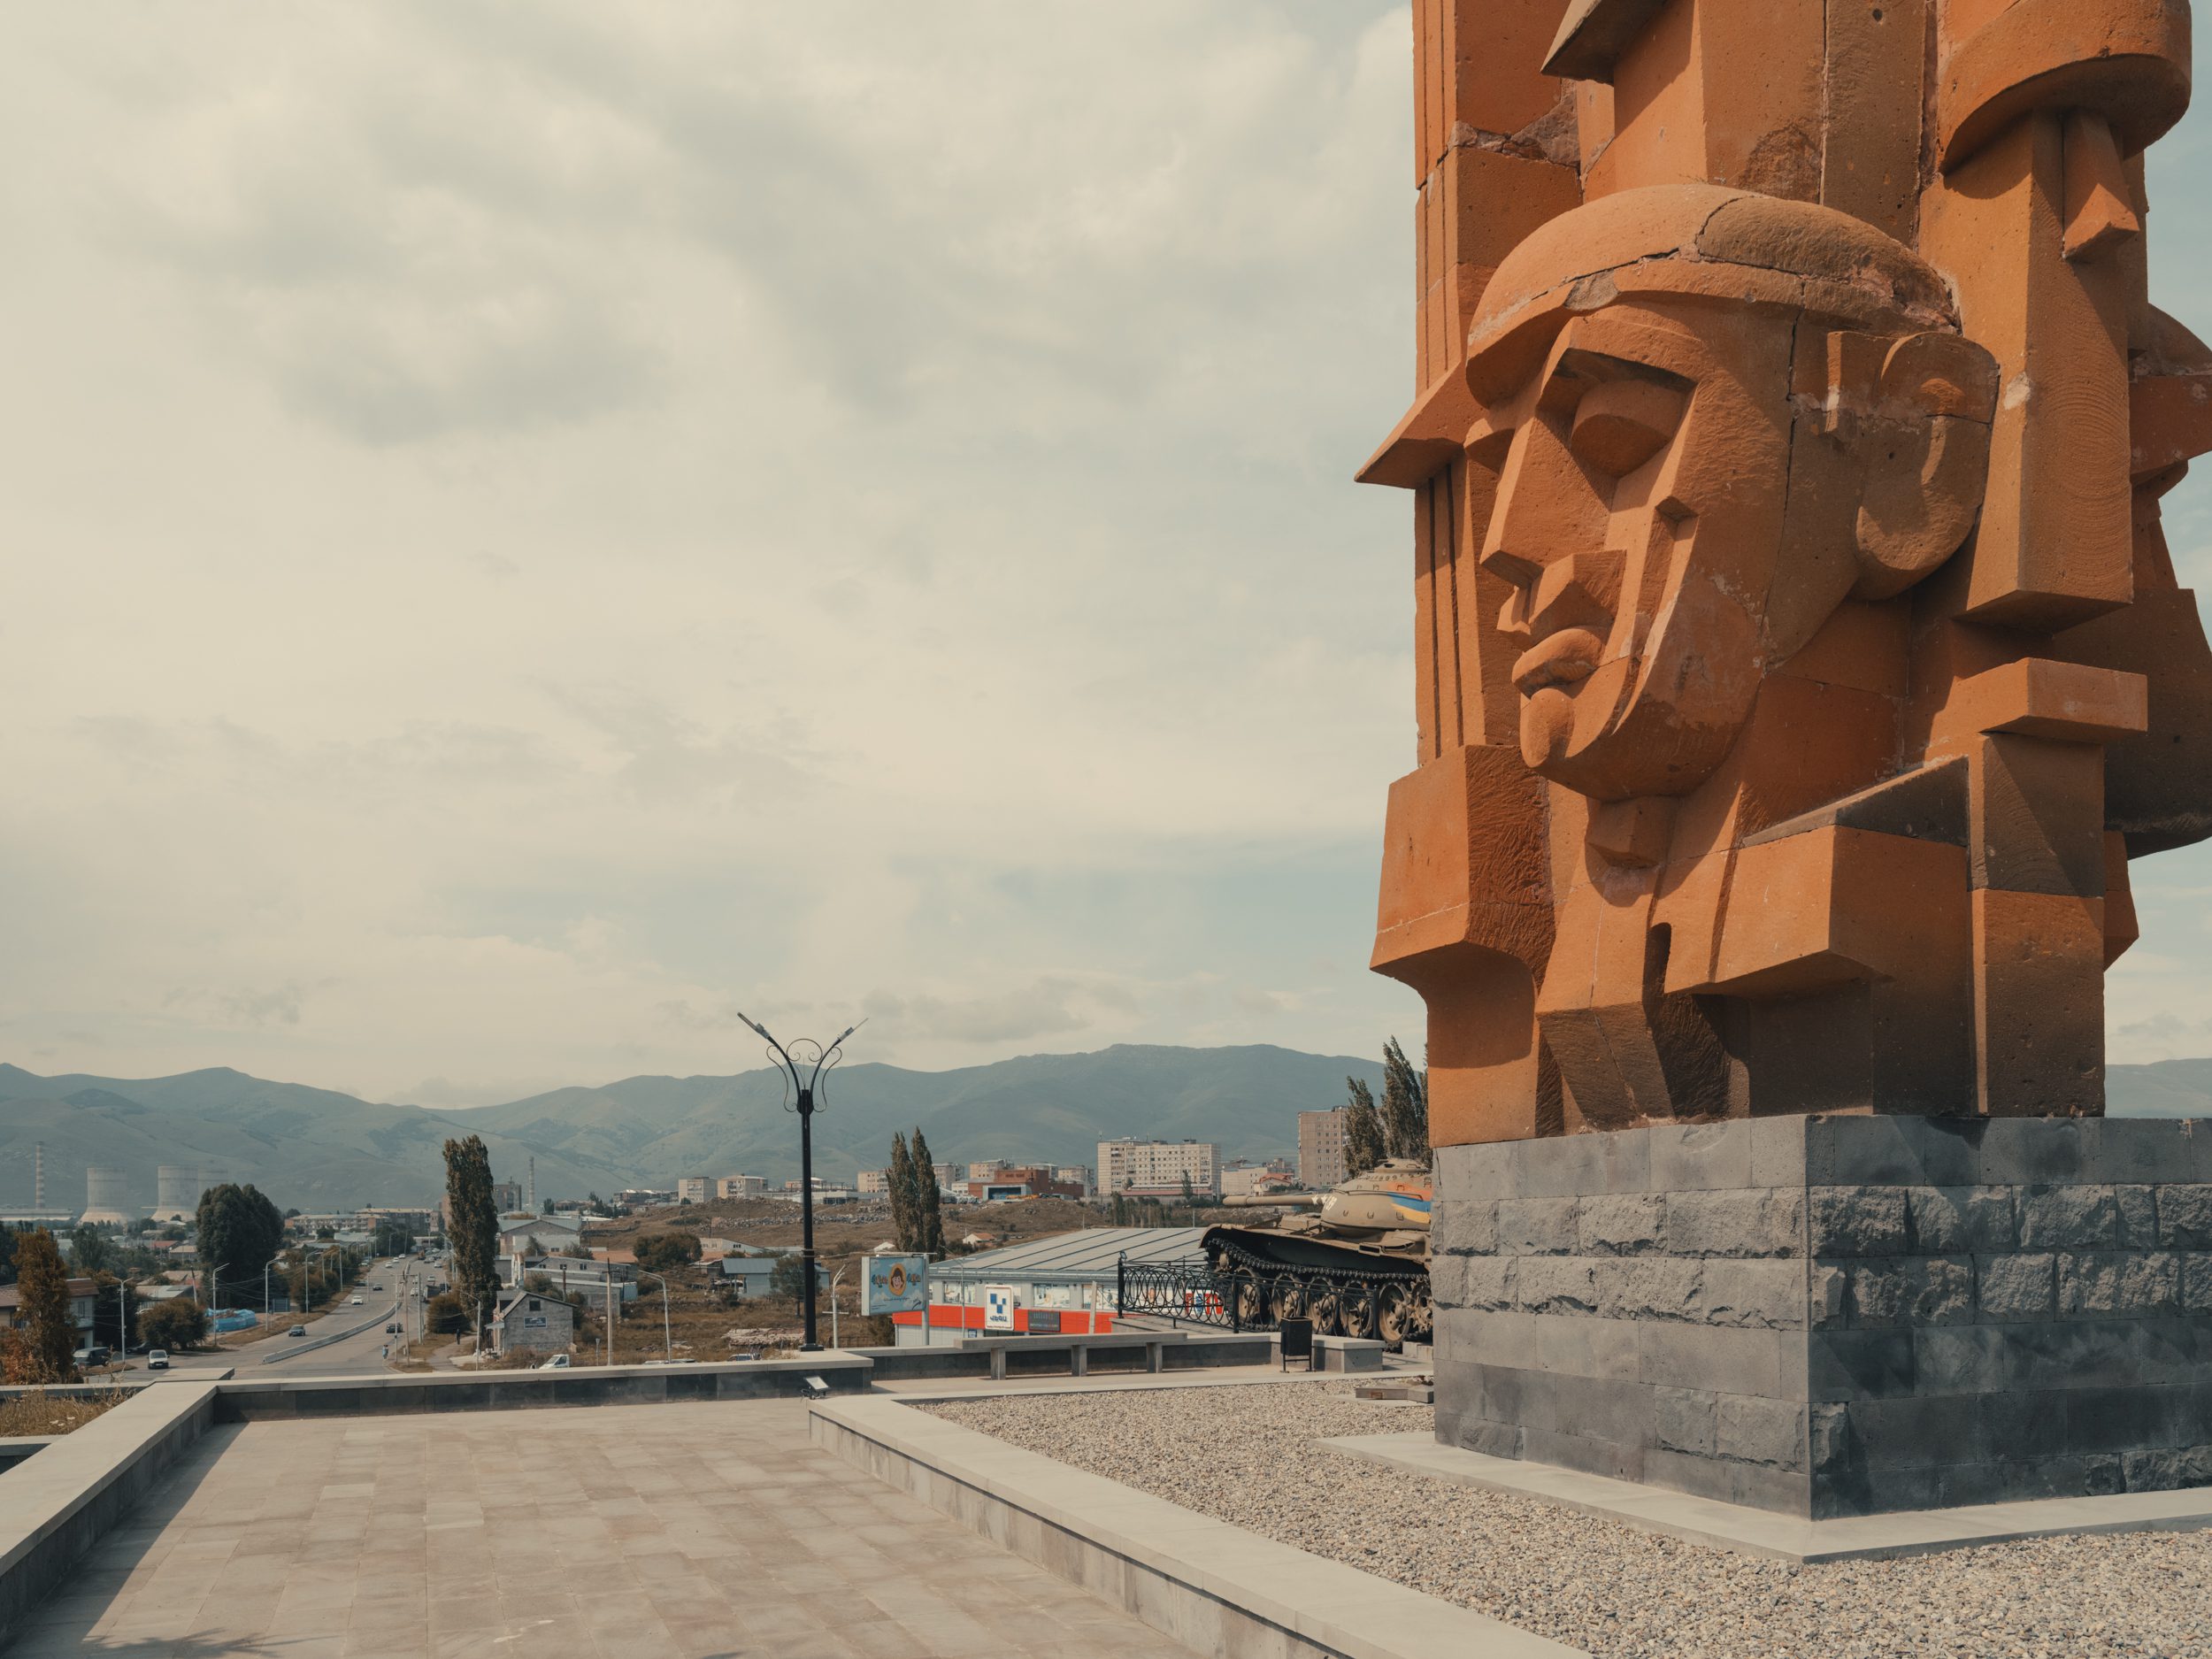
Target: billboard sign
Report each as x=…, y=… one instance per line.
x=895, y=1284
x=998, y=1307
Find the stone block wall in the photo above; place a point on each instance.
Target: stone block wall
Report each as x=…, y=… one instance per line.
x=1833, y=1316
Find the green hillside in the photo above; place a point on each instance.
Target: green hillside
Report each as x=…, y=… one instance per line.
x=316, y=1148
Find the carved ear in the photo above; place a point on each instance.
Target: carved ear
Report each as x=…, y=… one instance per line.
x=1925, y=449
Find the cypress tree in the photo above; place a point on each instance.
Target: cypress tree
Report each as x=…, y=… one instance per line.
x=474, y=1236
x=904, y=1222
x=1364, y=1144
x=51, y=1340
x=1405, y=1106
x=928, y=1212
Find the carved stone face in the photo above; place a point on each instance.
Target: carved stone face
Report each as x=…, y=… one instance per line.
x=1639, y=515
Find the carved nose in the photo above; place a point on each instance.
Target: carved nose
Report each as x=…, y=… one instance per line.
x=1579, y=590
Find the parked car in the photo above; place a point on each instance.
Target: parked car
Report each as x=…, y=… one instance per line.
x=92, y=1356
x=297, y=1330
x=157, y=1359
x=559, y=1361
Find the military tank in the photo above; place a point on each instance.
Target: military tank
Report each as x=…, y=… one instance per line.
x=1358, y=1265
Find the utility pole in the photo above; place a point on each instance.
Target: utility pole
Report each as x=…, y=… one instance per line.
x=668, y=1341
x=805, y=1090
x=610, y=1313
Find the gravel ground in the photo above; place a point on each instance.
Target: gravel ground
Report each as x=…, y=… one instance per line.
x=1245, y=1455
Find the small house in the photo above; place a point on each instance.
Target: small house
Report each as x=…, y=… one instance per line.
x=531, y=1323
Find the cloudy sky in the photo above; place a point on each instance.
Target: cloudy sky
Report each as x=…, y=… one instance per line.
x=530, y=527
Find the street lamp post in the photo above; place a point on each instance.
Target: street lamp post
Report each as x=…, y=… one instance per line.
x=214, y=1284
x=668, y=1341
x=804, y=1090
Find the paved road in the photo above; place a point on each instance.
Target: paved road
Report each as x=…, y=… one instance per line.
x=352, y=1356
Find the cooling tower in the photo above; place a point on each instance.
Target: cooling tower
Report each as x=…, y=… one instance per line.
x=107, y=1198
x=176, y=1192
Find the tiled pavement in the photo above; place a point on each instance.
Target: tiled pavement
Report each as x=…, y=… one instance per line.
x=669, y=1530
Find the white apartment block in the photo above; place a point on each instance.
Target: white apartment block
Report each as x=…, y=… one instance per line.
x=987, y=1170
x=694, y=1189
x=1075, y=1175
x=1157, y=1168
x=1321, y=1148
x=742, y=1186
x=873, y=1181
x=1243, y=1181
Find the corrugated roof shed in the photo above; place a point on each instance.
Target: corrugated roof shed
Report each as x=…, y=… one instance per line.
x=1090, y=1253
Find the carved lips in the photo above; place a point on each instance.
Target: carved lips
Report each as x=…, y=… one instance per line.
x=1565, y=658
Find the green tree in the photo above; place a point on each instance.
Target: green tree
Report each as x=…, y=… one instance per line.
x=180, y=1322
x=51, y=1339
x=787, y=1277
x=445, y=1314
x=89, y=1250
x=1364, y=1143
x=113, y=1307
x=658, y=1252
x=1405, y=1106
x=473, y=1232
x=548, y=1208
x=905, y=1205
x=240, y=1232
x=930, y=1238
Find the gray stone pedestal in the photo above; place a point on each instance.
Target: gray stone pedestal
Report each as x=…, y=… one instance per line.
x=1834, y=1316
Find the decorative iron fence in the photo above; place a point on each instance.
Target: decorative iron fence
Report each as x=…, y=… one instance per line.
x=1257, y=1296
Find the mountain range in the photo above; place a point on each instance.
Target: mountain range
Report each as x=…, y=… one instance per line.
x=316, y=1149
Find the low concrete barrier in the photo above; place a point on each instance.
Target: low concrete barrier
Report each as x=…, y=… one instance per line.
x=256, y=1398
x=1216, y=1588
x=15, y=1447
x=58, y=1504
x=1076, y=1355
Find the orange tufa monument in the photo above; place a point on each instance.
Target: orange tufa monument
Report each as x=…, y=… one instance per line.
x=1800, y=665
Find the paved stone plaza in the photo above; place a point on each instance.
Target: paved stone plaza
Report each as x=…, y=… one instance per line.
x=666, y=1529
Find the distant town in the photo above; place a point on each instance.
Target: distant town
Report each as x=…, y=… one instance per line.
x=125, y=1258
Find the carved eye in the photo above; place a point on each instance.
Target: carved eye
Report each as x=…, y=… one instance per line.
x=1620, y=425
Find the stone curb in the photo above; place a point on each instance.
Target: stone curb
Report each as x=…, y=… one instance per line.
x=1749, y=1532
x=1214, y=1588
x=62, y=1501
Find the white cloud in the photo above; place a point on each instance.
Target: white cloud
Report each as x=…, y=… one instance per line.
x=540, y=518
x=532, y=526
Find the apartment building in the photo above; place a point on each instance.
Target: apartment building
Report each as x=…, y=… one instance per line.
x=1244, y=1181
x=1321, y=1148
x=1159, y=1169
x=694, y=1189
x=873, y=1183
x=742, y=1186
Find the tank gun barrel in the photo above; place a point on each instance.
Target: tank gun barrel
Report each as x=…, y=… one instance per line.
x=1274, y=1201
